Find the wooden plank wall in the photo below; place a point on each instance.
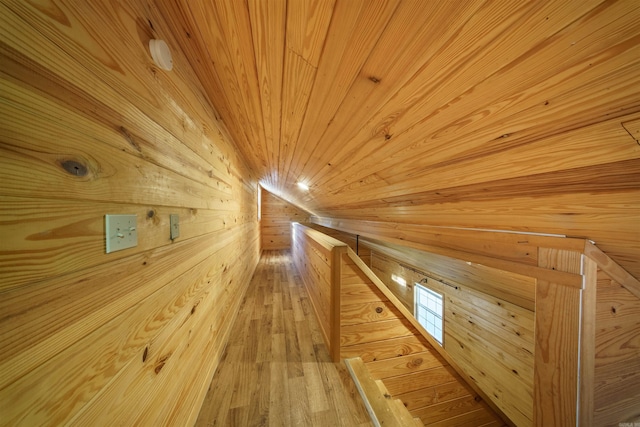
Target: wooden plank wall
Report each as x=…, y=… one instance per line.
x=90, y=126
x=506, y=115
x=488, y=317
x=617, y=358
x=275, y=223
x=490, y=338
x=502, y=262
x=396, y=353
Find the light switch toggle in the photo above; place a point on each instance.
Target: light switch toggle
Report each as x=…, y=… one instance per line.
x=174, y=223
x=120, y=235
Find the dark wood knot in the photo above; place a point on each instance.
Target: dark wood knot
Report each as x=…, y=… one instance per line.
x=74, y=168
x=379, y=310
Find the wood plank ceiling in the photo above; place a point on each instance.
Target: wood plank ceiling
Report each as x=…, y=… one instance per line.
x=512, y=115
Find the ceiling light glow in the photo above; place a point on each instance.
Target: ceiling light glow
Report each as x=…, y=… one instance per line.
x=303, y=186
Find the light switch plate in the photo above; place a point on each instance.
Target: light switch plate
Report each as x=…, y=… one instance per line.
x=174, y=220
x=121, y=232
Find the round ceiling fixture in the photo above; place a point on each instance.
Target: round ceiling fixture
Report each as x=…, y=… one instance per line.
x=161, y=54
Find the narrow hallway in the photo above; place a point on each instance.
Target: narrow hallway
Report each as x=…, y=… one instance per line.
x=276, y=370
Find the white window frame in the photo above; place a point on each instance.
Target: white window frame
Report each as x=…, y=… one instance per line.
x=259, y=203
x=428, y=309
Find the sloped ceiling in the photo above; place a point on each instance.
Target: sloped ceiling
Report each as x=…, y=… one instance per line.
x=511, y=115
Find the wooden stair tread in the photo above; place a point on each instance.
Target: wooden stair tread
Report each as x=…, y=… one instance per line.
x=408, y=364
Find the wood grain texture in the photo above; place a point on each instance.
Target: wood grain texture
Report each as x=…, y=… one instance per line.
x=259, y=381
x=490, y=338
x=391, y=345
x=317, y=259
x=371, y=311
x=92, y=127
x=275, y=223
x=588, y=327
x=501, y=251
x=413, y=265
x=617, y=385
x=512, y=116
x=387, y=349
x=383, y=411
x=557, y=341
x=412, y=122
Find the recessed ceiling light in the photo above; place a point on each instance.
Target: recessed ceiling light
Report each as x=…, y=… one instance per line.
x=303, y=186
x=161, y=54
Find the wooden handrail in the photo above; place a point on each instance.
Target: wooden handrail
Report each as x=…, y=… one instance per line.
x=500, y=257
x=564, y=324
x=612, y=269
x=326, y=241
x=410, y=317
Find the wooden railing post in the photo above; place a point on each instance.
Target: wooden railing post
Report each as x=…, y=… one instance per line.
x=336, y=284
x=564, y=345
x=318, y=258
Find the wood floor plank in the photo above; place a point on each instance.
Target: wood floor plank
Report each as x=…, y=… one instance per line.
x=279, y=411
x=276, y=370
x=259, y=408
x=299, y=402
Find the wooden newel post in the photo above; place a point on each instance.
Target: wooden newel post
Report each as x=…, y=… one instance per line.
x=336, y=284
x=564, y=342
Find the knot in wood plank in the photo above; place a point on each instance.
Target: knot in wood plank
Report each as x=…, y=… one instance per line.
x=74, y=167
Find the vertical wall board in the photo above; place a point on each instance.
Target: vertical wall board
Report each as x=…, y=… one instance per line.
x=617, y=358
x=587, y=342
x=557, y=340
x=91, y=126
x=338, y=256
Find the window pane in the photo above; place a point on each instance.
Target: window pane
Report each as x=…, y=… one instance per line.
x=429, y=310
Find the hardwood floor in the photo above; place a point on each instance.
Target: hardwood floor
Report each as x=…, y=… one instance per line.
x=276, y=369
